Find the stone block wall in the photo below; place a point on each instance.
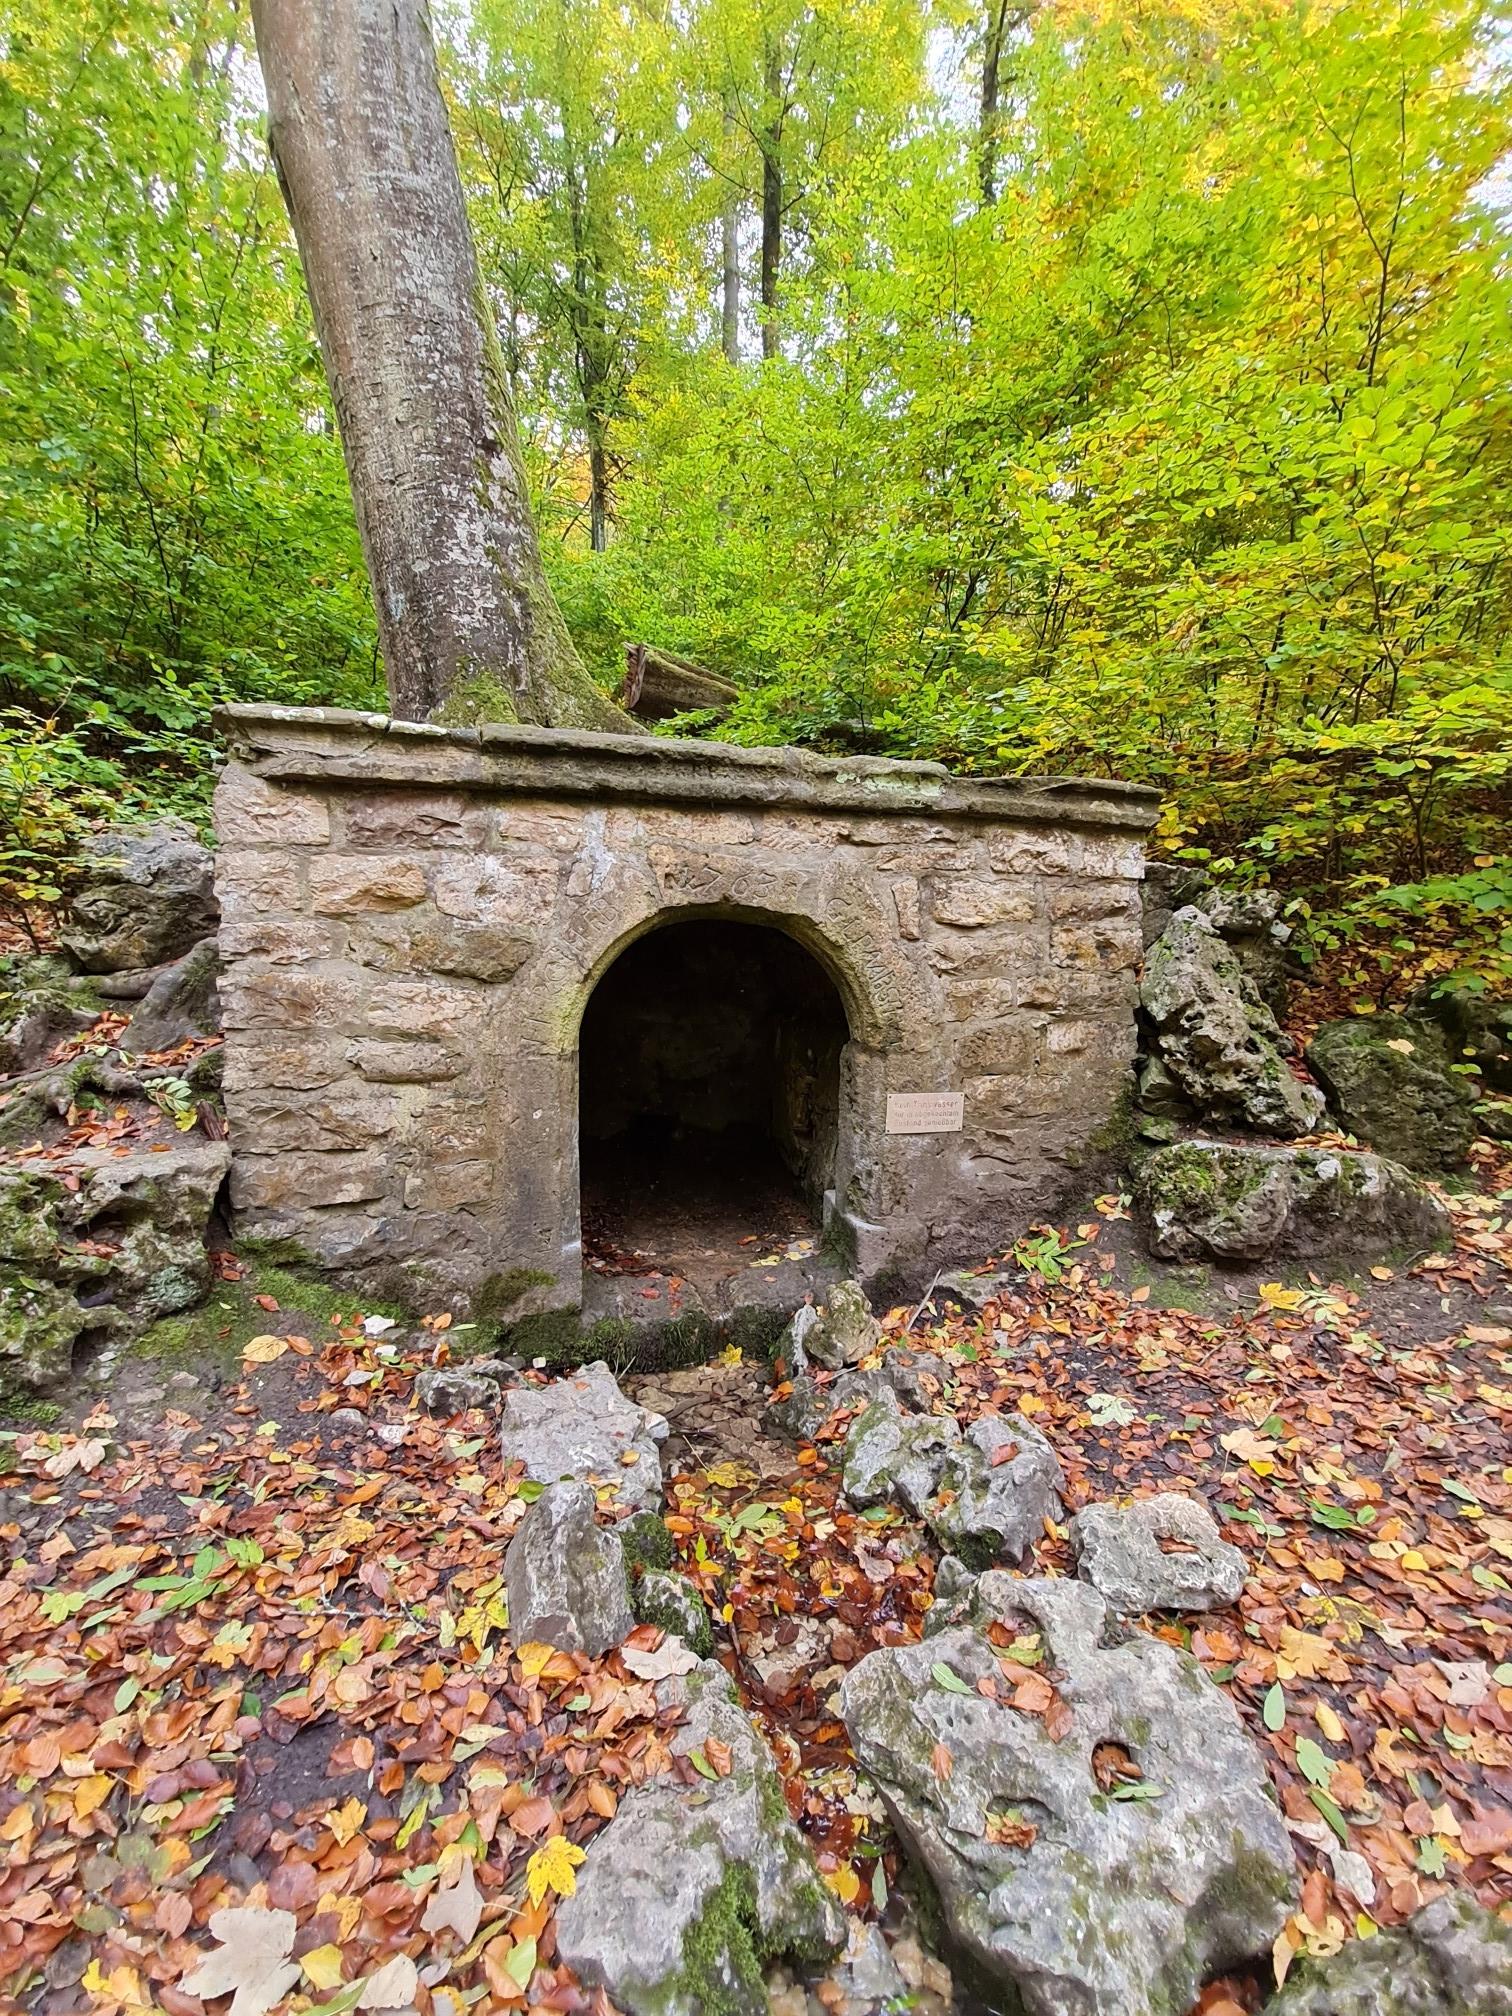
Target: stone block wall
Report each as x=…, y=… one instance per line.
x=413, y=920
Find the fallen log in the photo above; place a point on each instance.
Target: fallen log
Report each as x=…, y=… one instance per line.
x=659, y=684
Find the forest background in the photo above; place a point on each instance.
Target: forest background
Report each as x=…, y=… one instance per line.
x=1103, y=388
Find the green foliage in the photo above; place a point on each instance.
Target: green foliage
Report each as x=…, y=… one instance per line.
x=1184, y=459
x=174, y=521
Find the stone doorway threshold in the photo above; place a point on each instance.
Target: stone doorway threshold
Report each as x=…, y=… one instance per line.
x=696, y=1224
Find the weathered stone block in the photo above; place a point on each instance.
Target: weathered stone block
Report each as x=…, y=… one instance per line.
x=1003, y=1049
x=273, y=1182
x=255, y=881
x=419, y=1008
x=256, y=1061
x=449, y=1186
x=404, y=819
x=283, y=941
x=966, y=904
x=278, y=814
x=355, y=1116
x=253, y=997
x=347, y=885
x=488, y=952
x=1110, y=945
x=488, y=889
x=404, y=1063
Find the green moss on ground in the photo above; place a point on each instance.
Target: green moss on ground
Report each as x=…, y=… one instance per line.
x=646, y=1542
x=220, y=1328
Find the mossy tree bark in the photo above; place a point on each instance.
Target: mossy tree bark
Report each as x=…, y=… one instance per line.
x=468, y=624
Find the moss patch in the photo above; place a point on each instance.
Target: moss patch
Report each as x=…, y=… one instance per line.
x=219, y=1330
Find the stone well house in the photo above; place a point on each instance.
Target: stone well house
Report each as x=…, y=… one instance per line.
x=456, y=961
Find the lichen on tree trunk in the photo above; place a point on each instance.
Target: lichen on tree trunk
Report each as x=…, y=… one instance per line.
x=469, y=627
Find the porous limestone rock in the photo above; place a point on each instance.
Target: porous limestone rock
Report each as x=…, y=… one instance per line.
x=1216, y=1037
x=1477, y=1029
x=845, y=1330
x=1075, y=1902
x=182, y=1002
x=891, y=1454
x=582, y=1426
x=975, y=1288
x=1119, y=1551
x=147, y=895
x=445, y=1390
x=1388, y=1079
x=143, y=1216
x=978, y=1501
x=803, y=1411
x=565, y=1576
x=40, y=1002
x=917, y=1377
x=1245, y=1201
x=996, y=1489
x=1451, y=1958
x=672, y=1603
x=690, y=1890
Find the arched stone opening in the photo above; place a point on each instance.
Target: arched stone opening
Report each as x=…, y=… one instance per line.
x=711, y=1081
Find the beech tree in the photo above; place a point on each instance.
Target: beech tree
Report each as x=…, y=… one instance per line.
x=469, y=628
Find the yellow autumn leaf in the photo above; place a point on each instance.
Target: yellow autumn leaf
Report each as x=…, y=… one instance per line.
x=345, y=1821
x=535, y=1657
x=263, y=1350
x=90, y=1793
x=1416, y=1561
x=551, y=1867
x=845, y=1883
x=322, y=1968
x=1031, y=1403
x=1329, y=1723
x=1274, y=1296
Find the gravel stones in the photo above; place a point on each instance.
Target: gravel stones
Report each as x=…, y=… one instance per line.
x=1076, y=1902
x=582, y=1426
x=690, y=1888
x=1119, y=1551
x=565, y=1576
x=1246, y=1201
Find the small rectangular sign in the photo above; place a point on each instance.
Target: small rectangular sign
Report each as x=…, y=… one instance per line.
x=925, y=1112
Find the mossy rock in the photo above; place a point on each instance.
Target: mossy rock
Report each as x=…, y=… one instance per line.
x=673, y=1604
x=1390, y=1080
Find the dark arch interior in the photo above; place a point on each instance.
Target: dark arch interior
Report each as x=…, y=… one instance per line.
x=709, y=1095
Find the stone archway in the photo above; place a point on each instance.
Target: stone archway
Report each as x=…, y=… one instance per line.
x=415, y=919
x=711, y=1081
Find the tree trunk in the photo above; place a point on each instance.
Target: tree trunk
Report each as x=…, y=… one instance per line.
x=992, y=59
x=771, y=206
x=729, y=245
x=469, y=627
x=659, y=684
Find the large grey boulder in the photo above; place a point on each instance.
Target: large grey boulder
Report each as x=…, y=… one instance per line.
x=1244, y=1201
x=1452, y=1958
x=1075, y=1901
x=565, y=1576
x=690, y=1888
x=183, y=1002
x=917, y=1377
x=147, y=895
x=892, y=1455
x=1216, y=1037
x=1477, y=1029
x=1389, y=1079
x=984, y=1494
x=582, y=1426
x=1119, y=1551
x=101, y=1247
x=996, y=1489
x=844, y=1330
